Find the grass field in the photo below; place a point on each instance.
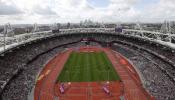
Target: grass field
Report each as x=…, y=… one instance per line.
x=88, y=67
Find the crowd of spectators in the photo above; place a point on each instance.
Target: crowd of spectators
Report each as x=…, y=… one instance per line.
x=10, y=64
x=20, y=87
x=161, y=51
x=87, y=30
x=156, y=81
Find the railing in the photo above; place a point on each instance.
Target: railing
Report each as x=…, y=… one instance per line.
x=6, y=43
x=87, y=30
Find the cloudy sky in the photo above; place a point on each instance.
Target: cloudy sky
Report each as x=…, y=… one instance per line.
x=51, y=11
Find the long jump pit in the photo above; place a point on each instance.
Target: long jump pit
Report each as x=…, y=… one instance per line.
x=89, y=73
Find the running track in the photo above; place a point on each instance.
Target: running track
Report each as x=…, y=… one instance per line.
x=133, y=90
x=44, y=89
x=132, y=84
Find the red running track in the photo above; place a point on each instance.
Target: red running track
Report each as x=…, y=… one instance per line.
x=89, y=91
x=133, y=89
x=44, y=89
x=130, y=87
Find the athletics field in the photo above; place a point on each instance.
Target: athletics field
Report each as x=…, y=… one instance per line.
x=88, y=67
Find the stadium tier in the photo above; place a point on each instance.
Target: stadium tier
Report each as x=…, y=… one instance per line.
x=88, y=66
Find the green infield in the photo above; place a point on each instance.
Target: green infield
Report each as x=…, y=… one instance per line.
x=88, y=67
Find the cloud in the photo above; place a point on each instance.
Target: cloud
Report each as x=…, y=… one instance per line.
x=43, y=10
x=164, y=8
x=158, y=12
x=9, y=9
x=74, y=10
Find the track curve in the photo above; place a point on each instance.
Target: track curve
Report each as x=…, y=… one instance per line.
x=132, y=85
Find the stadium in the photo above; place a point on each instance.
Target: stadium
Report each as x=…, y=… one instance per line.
x=87, y=50
x=87, y=64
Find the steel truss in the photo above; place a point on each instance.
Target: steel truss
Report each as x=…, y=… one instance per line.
x=8, y=40
x=166, y=33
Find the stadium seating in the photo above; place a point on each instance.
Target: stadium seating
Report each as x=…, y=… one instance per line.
x=19, y=68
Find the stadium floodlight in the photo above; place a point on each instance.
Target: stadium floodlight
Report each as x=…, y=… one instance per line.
x=4, y=37
x=8, y=32
x=35, y=28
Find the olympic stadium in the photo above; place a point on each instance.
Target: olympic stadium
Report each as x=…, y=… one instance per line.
x=87, y=50
x=88, y=64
